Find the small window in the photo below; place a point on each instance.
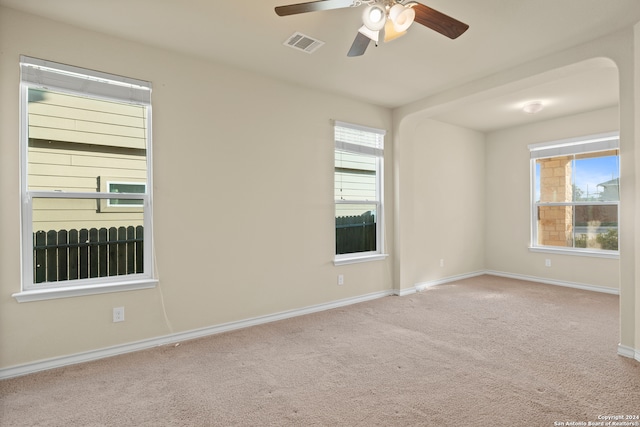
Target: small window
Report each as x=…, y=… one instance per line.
x=576, y=194
x=85, y=136
x=112, y=185
x=358, y=191
x=126, y=187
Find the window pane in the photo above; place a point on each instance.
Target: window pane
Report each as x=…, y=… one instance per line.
x=596, y=227
x=125, y=202
x=75, y=139
x=580, y=178
x=596, y=177
x=355, y=228
x=554, y=179
x=121, y=187
x=579, y=226
x=71, y=241
x=555, y=225
x=355, y=176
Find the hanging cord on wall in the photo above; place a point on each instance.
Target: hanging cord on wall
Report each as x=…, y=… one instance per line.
x=157, y=276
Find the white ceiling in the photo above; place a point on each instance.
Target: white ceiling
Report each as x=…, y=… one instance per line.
x=502, y=34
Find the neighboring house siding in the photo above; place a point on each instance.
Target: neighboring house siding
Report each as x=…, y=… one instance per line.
x=74, y=144
x=62, y=117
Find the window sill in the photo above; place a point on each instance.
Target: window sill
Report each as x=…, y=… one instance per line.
x=357, y=259
x=76, y=291
x=576, y=252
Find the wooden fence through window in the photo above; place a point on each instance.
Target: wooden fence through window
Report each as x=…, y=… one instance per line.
x=80, y=254
x=355, y=233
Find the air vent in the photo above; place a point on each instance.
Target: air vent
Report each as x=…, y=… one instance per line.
x=304, y=43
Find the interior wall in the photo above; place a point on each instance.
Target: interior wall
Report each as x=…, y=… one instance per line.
x=508, y=218
x=243, y=193
x=442, y=202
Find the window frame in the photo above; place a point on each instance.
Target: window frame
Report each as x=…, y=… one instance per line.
x=61, y=78
x=358, y=149
x=573, y=146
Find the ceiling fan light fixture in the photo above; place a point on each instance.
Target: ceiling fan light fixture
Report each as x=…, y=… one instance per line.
x=373, y=35
x=395, y=10
x=374, y=17
x=390, y=32
x=403, y=19
x=376, y=14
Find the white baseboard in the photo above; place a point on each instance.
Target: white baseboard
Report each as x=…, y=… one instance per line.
x=424, y=285
x=563, y=283
x=629, y=352
x=88, y=356
x=419, y=287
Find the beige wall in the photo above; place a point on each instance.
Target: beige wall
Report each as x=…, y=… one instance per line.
x=508, y=214
x=442, y=202
x=243, y=192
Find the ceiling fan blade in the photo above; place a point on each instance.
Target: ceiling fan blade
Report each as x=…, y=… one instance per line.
x=312, y=6
x=359, y=45
x=438, y=21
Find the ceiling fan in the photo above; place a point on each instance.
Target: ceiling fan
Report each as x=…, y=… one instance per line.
x=392, y=18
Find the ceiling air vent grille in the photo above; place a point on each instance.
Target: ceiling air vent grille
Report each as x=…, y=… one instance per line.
x=304, y=43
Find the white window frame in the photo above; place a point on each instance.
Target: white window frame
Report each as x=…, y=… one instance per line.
x=579, y=145
x=378, y=153
x=48, y=75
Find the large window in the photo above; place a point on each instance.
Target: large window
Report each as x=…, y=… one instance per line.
x=576, y=195
x=358, y=192
x=77, y=127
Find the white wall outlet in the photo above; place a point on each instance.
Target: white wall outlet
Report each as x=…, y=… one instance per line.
x=118, y=314
x=547, y=262
x=340, y=279
x=442, y=262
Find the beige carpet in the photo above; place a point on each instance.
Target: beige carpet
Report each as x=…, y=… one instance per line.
x=486, y=351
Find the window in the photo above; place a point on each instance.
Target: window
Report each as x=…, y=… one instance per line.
x=576, y=195
x=125, y=187
x=79, y=127
x=113, y=185
x=358, y=192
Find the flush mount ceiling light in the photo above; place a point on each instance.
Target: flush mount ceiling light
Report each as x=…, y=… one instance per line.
x=533, y=107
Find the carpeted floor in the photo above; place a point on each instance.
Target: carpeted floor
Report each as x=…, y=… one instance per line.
x=486, y=351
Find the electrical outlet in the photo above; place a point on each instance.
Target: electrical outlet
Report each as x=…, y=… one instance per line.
x=118, y=314
x=442, y=262
x=340, y=279
x=547, y=262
